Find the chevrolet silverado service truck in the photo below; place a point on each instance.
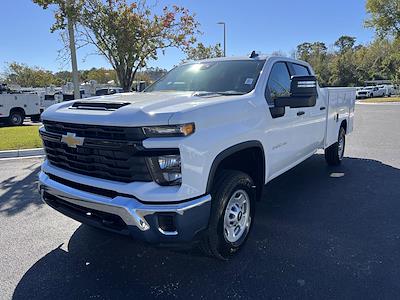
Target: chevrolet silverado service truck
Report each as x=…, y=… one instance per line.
x=186, y=159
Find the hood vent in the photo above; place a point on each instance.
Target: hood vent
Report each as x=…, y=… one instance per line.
x=104, y=105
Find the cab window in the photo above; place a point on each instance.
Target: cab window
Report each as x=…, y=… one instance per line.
x=300, y=70
x=278, y=83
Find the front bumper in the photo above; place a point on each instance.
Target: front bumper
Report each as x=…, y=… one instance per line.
x=154, y=223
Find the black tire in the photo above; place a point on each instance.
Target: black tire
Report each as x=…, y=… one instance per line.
x=227, y=184
x=334, y=155
x=16, y=118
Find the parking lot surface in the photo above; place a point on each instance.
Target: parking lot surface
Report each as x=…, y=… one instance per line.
x=319, y=232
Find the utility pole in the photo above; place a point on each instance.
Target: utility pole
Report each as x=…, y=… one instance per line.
x=72, y=48
x=224, y=24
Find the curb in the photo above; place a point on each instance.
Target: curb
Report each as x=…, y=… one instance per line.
x=378, y=103
x=21, y=153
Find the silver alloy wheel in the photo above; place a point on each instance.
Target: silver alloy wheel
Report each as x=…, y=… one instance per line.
x=341, y=147
x=237, y=216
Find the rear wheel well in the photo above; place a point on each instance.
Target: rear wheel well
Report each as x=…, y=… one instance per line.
x=249, y=160
x=17, y=109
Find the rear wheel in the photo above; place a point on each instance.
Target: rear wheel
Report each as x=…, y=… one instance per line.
x=334, y=154
x=16, y=118
x=232, y=212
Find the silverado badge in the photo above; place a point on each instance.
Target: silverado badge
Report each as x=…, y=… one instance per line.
x=72, y=140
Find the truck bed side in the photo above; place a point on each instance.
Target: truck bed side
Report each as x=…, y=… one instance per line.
x=341, y=103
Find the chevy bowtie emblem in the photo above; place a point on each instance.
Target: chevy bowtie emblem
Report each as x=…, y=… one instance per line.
x=72, y=140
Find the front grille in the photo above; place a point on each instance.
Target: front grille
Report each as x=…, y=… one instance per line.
x=108, y=152
x=96, y=131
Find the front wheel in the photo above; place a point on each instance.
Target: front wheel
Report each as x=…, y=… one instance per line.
x=232, y=213
x=334, y=153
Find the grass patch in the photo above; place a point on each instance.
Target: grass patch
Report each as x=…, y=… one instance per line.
x=381, y=100
x=19, y=137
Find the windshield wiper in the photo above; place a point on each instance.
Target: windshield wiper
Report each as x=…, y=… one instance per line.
x=231, y=93
x=225, y=93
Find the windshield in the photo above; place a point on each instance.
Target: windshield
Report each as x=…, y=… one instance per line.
x=225, y=77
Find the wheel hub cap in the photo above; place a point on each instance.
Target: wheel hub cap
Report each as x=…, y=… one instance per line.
x=237, y=216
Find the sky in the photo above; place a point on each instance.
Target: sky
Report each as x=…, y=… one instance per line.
x=262, y=25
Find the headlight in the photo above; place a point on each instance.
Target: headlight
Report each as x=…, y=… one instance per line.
x=166, y=169
x=169, y=130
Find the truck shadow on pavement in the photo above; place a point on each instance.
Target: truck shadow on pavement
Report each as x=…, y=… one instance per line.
x=20, y=194
x=319, y=233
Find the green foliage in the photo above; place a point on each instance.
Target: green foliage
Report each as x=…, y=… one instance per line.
x=352, y=65
x=64, y=10
x=101, y=75
x=316, y=54
x=26, y=76
x=200, y=51
x=129, y=35
x=384, y=16
x=345, y=43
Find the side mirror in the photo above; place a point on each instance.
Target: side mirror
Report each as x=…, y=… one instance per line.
x=303, y=93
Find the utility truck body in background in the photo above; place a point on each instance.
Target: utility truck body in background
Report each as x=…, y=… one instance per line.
x=14, y=107
x=187, y=159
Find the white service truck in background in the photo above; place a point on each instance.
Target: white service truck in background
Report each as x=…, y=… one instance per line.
x=187, y=159
x=15, y=106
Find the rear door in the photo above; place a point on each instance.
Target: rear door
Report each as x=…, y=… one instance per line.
x=314, y=117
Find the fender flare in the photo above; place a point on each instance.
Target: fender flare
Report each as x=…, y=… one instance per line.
x=228, y=152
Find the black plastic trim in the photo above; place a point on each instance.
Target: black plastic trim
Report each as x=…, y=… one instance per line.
x=228, y=152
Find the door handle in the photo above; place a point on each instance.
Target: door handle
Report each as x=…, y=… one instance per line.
x=300, y=113
x=322, y=108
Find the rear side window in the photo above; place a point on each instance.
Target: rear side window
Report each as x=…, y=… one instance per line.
x=300, y=70
x=278, y=83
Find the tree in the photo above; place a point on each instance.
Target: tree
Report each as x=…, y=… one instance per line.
x=303, y=51
x=101, y=75
x=384, y=17
x=129, y=35
x=26, y=76
x=67, y=15
x=316, y=55
x=345, y=43
x=200, y=51
x=64, y=76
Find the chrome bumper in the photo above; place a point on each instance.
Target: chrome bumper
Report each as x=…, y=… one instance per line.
x=130, y=210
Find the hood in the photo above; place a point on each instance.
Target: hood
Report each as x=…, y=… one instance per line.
x=128, y=109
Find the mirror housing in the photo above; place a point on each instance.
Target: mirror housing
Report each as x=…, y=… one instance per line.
x=303, y=93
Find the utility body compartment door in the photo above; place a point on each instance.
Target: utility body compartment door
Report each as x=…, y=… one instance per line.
x=341, y=104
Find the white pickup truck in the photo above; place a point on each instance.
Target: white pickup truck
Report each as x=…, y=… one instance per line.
x=186, y=159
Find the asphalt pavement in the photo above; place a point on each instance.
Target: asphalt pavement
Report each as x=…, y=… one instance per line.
x=319, y=233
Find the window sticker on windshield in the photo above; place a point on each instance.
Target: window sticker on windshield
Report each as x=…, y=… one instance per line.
x=249, y=81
